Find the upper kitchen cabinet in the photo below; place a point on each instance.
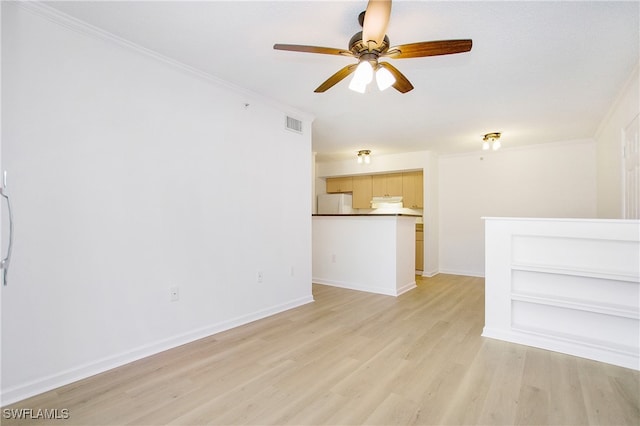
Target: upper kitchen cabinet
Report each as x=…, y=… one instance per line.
x=412, y=190
x=362, y=192
x=339, y=184
x=387, y=185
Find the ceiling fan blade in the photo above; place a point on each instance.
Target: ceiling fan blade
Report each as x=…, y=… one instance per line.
x=376, y=19
x=336, y=78
x=428, y=48
x=402, y=85
x=312, y=49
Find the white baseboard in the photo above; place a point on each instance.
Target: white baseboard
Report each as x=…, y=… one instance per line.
x=609, y=355
x=429, y=274
x=405, y=288
x=365, y=287
x=464, y=273
x=44, y=384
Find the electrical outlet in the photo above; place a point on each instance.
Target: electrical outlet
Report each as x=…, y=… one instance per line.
x=174, y=294
x=333, y=258
x=260, y=276
x=291, y=271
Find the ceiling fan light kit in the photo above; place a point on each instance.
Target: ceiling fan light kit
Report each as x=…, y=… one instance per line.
x=361, y=77
x=364, y=75
x=384, y=78
x=371, y=44
x=356, y=87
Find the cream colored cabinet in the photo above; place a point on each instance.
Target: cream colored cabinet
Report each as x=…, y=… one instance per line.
x=362, y=192
x=412, y=190
x=386, y=185
x=409, y=185
x=378, y=185
x=419, y=247
x=339, y=185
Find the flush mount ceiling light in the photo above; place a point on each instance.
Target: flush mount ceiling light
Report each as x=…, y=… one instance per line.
x=491, y=140
x=364, y=156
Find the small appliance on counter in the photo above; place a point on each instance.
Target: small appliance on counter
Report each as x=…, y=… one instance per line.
x=335, y=204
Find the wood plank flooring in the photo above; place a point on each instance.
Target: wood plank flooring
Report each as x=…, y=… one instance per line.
x=356, y=358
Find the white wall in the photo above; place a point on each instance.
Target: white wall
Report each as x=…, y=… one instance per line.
x=129, y=176
x=609, y=148
x=547, y=180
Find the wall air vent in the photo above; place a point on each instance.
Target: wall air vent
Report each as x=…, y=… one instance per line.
x=293, y=124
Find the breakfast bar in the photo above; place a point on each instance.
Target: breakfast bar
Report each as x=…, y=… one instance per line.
x=367, y=252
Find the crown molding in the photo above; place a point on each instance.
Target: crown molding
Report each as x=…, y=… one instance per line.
x=631, y=80
x=54, y=15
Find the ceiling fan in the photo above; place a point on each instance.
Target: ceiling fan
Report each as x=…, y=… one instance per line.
x=371, y=44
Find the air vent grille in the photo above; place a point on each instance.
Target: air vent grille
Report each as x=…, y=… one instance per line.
x=293, y=124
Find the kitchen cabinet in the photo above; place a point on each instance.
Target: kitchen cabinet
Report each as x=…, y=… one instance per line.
x=409, y=185
x=412, y=190
x=362, y=192
x=419, y=247
x=386, y=185
x=339, y=184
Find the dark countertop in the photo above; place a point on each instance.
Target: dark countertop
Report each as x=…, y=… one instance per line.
x=365, y=214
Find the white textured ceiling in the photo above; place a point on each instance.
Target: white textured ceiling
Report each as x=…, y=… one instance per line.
x=538, y=71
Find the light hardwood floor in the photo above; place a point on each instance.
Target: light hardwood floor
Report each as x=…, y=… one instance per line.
x=357, y=358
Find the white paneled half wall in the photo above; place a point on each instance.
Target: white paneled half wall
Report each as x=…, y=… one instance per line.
x=567, y=285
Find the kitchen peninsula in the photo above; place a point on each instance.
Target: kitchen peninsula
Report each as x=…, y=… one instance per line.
x=367, y=252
